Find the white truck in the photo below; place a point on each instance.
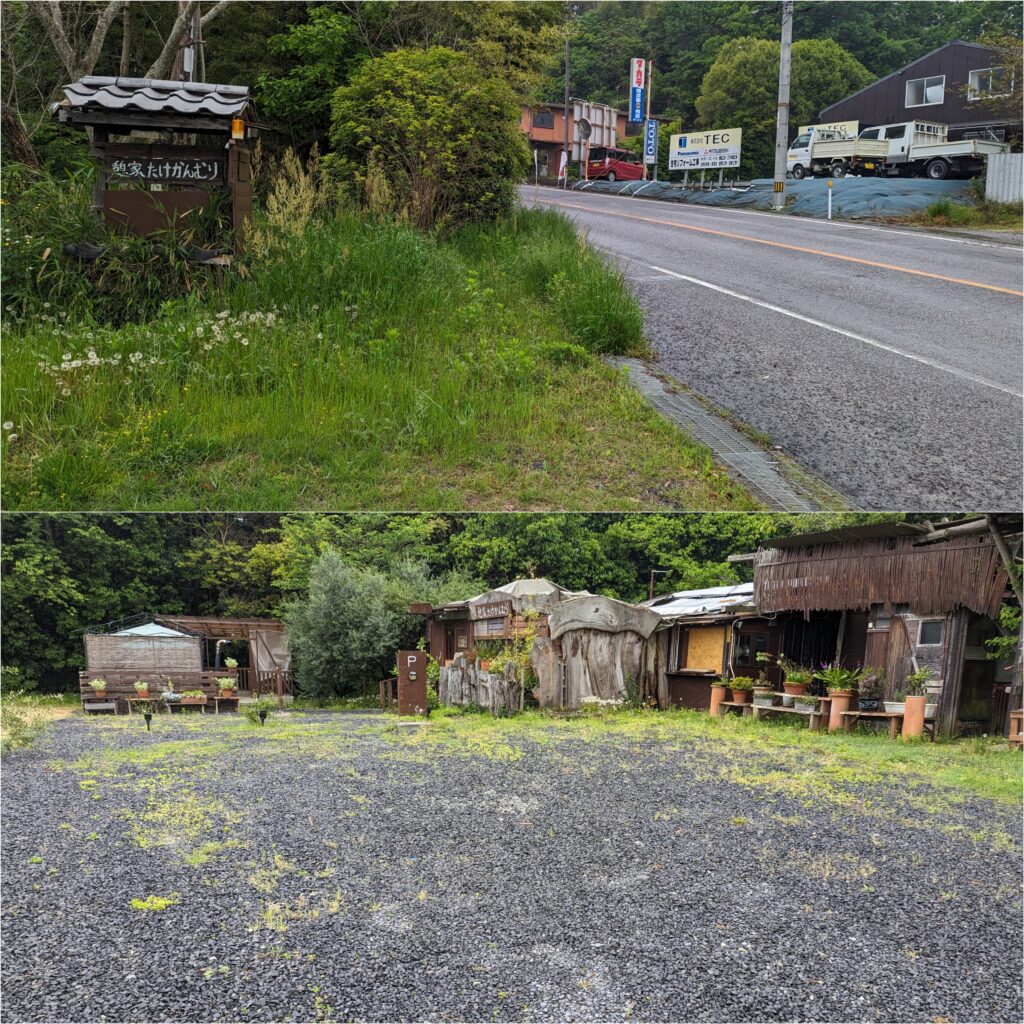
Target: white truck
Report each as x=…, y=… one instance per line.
x=922, y=148
x=821, y=151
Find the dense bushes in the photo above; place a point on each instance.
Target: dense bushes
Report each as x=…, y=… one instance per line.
x=425, y=133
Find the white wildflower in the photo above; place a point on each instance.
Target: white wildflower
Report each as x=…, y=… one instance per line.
x=8, y=425
x=12, y=437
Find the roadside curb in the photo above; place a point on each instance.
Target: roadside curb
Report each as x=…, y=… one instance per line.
x=771, y=476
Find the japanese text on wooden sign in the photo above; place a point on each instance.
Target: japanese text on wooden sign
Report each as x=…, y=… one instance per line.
x=496, y=610
x=182, y=169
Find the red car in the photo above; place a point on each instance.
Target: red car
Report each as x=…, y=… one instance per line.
x=614, y=164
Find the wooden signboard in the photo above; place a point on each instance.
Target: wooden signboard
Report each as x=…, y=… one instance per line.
x=169, y=165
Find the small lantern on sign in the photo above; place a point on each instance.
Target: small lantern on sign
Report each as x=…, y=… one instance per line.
x=237, y=128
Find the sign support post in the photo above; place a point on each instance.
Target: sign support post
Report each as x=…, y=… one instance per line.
x=647, y=116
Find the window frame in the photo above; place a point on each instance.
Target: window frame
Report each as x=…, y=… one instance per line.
x=974, y=94
x=924, y=92
x=942, y=633
x=547, y=115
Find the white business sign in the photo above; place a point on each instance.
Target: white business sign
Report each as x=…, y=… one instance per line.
x=847, y=128
x=698, y=151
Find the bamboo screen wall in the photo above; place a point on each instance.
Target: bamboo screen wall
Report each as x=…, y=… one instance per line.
x=933, y=579
x=143, y=653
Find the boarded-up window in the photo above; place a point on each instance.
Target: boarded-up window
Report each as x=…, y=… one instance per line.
x=489, y=627
x=704, y=647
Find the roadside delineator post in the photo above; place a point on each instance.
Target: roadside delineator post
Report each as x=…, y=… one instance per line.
x=830, y=200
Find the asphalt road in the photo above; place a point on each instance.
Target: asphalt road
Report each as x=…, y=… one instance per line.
x=890, y=364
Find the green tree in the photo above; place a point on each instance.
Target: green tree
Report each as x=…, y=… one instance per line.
x=344, y=633
x=443, y=137
x=741, y=90
x=322, y=52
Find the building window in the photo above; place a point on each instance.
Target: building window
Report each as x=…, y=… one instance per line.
x=987, y=83
x=543, y=119
x=931, y=633
x=926, y=92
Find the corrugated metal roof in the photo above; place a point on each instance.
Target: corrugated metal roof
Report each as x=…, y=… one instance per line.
x=157, y=96
x=709, y=601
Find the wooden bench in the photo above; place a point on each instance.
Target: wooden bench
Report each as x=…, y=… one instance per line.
x=816, y=719
x=894, y=718
x=1016, y=736
x=746, y=708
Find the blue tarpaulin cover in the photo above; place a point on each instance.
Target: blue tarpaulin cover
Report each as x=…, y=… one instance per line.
x=851, y=197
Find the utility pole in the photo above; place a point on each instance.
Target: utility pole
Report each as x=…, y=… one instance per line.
x=565, y=181
x=782, y=125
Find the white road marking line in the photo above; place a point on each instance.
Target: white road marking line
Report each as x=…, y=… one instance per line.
x=815, y=221
x=846, y=334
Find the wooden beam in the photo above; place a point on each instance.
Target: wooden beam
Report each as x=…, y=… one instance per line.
x=147, y=121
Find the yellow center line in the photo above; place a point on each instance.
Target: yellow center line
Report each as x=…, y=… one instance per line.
x=781, y=245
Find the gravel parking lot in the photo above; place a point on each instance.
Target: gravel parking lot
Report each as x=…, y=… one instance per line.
x=336, y=867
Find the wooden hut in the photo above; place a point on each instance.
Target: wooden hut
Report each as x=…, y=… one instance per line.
x=901, y=596
x=186, y=652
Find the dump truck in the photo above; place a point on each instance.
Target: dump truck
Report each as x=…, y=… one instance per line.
x=923, y=149
x=825, y=151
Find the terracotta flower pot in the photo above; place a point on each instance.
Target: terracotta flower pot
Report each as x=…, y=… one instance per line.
x=142, y=693
x=741, y=696
x=717, y=696
x=227, y=693
x=840, y=693
x=913, y=716
x=99, y=693
x=795, y=689
x=484, y=666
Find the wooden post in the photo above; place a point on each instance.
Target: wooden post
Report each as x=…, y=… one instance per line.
x=279, y=684
x=99, y=182
x=952, y=673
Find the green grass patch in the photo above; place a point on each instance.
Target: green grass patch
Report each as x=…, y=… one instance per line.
x=360, y=364
x=982, y=214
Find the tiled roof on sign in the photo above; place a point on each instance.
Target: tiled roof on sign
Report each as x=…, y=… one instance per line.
x=157, y=96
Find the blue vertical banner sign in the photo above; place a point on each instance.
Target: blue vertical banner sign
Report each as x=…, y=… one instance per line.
x=651, y=141
x=637, y=83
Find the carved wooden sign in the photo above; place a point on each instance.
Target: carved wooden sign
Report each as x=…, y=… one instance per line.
x=167, y=165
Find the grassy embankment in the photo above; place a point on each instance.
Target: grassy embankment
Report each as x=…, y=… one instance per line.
x=360, y=365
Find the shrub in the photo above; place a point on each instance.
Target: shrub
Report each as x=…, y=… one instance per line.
x=443, y=137
x=252, y=711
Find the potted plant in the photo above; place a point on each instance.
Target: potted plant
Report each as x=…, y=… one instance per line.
x=170, y=697
x=839, y=681
x=231, y=663
x=919, y=684
x=764, y=696
x=141, y=688
x=872, y=686
x=719, y=689
x=806, y=702
x=99, y=687
x=193, y=697
x=227, y=686
x=742, y=687
x=797, y=679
